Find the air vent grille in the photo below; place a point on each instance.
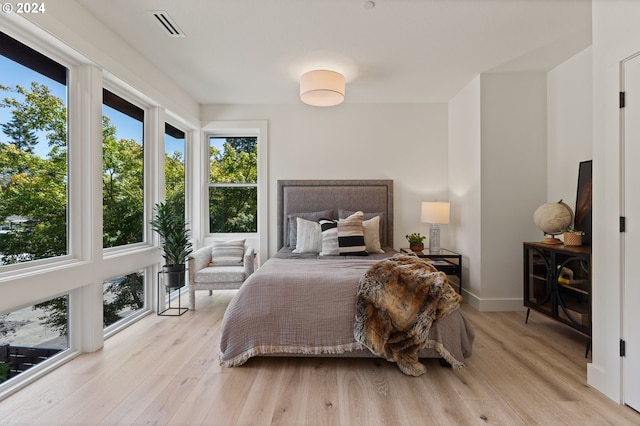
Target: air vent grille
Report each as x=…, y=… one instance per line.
x=169, y=25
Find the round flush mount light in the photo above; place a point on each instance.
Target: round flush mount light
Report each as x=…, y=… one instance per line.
x=322, y=88
x=369, y=5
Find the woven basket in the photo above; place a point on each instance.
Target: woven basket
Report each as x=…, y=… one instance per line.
x=416, y=247
x=572, y=239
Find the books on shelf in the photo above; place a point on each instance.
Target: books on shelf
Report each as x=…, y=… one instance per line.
x=578, y=317
x=439, y=262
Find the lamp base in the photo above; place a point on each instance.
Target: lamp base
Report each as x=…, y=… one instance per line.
x=434, y=237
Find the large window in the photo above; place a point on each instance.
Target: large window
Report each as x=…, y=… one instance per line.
x=174, y=171
x=233, y=184
x=123, y=171
x=122, y=296
x=33, y=154
x=30, y=335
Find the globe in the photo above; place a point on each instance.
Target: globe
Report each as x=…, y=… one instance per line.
x=552, y=219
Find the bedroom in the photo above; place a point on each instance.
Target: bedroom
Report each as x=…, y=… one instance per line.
x=560, y=102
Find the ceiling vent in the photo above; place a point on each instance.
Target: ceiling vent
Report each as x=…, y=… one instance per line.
x=167, y=23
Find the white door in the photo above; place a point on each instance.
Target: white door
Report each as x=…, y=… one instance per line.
x=631, y=210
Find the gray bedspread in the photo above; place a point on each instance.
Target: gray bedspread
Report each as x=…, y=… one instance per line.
x=307, y=307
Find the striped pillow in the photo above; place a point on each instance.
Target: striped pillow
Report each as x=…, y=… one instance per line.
x=329, y=237
x=227, y=252
x=343, y=237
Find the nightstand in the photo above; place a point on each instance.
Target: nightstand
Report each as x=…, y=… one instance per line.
x=444, y=260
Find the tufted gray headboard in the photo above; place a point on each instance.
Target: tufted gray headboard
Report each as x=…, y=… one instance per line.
x=370, y=196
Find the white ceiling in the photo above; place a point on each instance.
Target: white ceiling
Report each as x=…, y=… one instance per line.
x=254, y=51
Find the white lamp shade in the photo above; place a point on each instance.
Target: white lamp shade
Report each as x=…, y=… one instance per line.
x=322, y=88
x=434, y=212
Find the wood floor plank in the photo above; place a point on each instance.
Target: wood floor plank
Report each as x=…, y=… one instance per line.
x=262, y=398
x=165, y=370
x=131, y=407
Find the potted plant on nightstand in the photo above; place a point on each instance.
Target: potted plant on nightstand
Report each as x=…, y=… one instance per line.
x=176, y=247
x=416, y=241
x=572, y=237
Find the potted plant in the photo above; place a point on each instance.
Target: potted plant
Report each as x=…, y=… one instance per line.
x=572, y=237
x=176, y=247
x=416, y=241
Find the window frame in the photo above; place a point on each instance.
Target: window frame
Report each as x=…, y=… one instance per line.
x=223, y=135
x=254, y=128
x=147, y=156
x=50, y=65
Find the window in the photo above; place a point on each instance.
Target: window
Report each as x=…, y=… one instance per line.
x=233, y=184
x=123, y=171
x=30, y=335
x=174, y=171
x=33, y=154
x=122, y=297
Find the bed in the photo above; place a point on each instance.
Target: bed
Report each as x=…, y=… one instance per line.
x=304, y=303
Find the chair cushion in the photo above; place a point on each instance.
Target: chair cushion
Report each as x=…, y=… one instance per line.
x=227, y=252
x=220, y=274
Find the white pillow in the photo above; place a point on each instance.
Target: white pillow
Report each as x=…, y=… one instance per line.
x=371, y=230
x=227, y=252
x=309, y=236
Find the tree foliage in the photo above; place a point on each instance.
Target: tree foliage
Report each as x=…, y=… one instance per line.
x=122, y=188
x=233, y=208
x=30, y=186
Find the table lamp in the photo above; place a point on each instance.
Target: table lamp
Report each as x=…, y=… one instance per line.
x=435, y=214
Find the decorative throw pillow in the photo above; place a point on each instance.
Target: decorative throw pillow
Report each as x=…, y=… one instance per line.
x=371, y=230
x=292, y=224
x=309, y=239
x=382, y=234
x=227, y=252
x=329, y=238
x=346, y=234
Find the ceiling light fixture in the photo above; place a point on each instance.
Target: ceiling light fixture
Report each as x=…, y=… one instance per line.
x=322, y=88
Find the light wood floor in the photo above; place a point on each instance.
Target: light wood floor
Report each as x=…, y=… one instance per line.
x=164, y=370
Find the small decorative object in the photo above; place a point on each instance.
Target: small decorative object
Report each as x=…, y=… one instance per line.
x=553, y=219
x=572, y=237
x=415, y=241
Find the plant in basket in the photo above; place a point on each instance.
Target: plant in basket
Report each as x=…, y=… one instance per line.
x=416, y=241
x=572, y=236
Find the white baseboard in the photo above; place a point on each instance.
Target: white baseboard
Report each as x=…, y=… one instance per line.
x=494, y=305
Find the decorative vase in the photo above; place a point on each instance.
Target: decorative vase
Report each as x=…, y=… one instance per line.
x=572, y=239
x=417, y=247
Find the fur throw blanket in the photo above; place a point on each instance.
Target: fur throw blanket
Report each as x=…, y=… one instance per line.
x=399, y=299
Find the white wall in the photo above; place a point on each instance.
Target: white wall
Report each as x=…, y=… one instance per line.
x=498, y=177
x=569, y=130
x=403, y=142
x=513, y=167
x=464, y=185
x=616, y=36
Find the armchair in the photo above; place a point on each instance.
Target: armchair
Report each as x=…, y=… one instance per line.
x=224, y=265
